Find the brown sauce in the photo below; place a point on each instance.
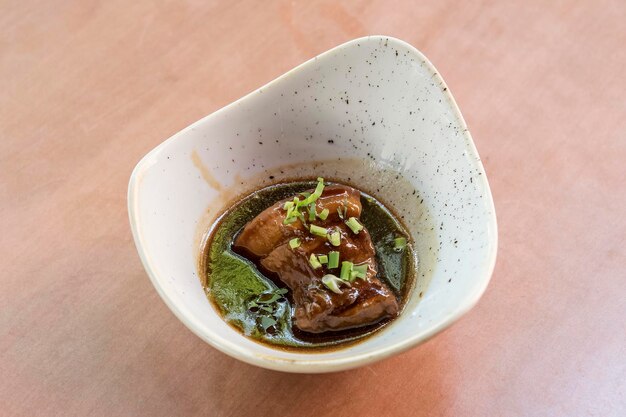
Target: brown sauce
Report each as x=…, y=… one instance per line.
x=233, y=282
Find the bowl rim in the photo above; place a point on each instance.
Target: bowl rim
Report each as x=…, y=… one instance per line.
x=323, y=364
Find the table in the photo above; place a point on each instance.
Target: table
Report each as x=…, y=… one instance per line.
x=88, y=87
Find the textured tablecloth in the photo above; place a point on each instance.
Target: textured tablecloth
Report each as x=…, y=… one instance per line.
x=87, y=88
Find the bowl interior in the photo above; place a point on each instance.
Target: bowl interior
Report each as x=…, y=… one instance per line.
x=373, y=113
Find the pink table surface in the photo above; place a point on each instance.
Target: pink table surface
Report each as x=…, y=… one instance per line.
x=88, y=87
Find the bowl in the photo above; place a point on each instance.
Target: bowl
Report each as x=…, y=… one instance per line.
x=373, y=113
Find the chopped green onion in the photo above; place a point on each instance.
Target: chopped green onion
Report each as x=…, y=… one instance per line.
x=360, y=271
x=399, y=244
x=305, y=194
x=332, y=283
x=282, y=291
x=301, y=217
x=342, y=210
x=323, y=259
x=334, y=238
x=318, y=189
x=354, y=225
x=314, y=262
x=289, y=220
x=296, y=203
x=318, y=231
x=333, y=259
x=323, y=214
x=346, y=269
x=315, y=195
x=290, y=210
x=312, y=212
x=294, y=243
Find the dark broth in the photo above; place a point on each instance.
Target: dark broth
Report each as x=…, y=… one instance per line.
x=232, y=281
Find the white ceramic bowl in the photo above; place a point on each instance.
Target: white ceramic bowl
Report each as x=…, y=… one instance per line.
x=373, y=112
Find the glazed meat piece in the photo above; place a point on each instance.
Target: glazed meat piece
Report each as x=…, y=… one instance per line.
x=362, y=301
x=318, y=309
x=266, y=231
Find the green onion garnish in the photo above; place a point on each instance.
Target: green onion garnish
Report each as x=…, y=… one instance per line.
x=342, y=210
x=315, y=263
x=333, y=259
x=312, y=212
x=323, y=259
x=346, y=269
x=334, y=238
x=289, y=220
x=360, y=271
x=323, y=214
x=315, y=195
x=318, y=231
x=305, y=194
x=296, y=203
x=294, y=243
x=292, y=210
x=354, y=225
x=332, y=283
x=399, y=244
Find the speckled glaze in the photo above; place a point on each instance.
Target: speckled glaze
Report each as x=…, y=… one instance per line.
x=373, y=113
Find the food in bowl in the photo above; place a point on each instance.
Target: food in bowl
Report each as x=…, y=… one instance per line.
x=308, y=265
